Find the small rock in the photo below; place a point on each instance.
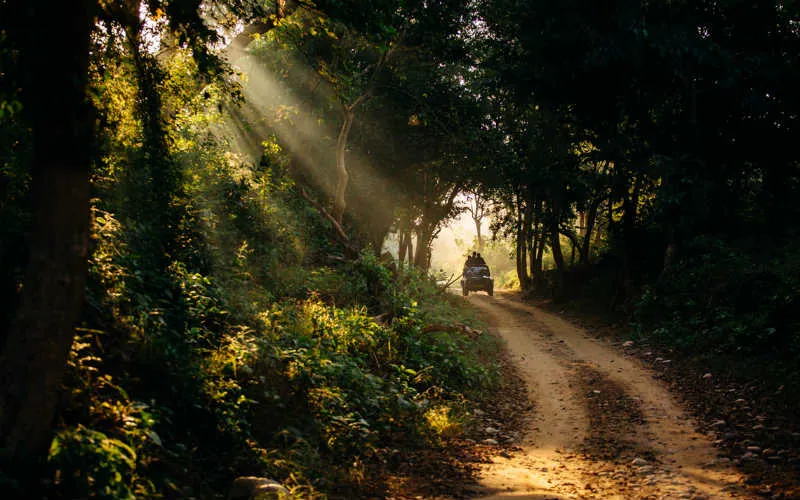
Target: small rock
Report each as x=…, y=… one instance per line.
x=629, y=343
x=719, y=423
x=754, y=449
x=758, y=427
x=478, y=412
x=251, y=487
x=741, y=401
x=748, y=456
x=638, y=462
x=491, y=430
x=707, y=376
x=490, y=441
x=768, y=451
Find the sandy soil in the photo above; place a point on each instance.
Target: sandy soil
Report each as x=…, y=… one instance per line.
x=602, y=425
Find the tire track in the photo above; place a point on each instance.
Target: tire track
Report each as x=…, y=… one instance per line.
x=566, y=451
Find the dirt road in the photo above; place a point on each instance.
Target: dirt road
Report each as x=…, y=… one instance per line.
x=602, y=426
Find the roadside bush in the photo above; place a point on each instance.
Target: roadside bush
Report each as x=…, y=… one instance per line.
x=329, y=389
x=723, y=300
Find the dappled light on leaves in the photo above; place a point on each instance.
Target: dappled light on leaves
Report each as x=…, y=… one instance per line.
x=230, y=233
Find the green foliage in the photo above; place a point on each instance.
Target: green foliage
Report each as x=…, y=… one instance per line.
x=719, y=299
x=641, y=114
x=253, y=357
x=89, y=464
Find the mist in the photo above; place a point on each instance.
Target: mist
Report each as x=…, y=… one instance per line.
x=458, y=238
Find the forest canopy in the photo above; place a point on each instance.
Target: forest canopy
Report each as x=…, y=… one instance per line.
x=197, y=201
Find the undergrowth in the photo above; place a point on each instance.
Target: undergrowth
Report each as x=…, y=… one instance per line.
x=223, y=334
x=240, y=359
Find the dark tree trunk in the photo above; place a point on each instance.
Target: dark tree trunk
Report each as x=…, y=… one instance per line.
x=423, y=257
x=37, y=346
x=522, y=250
x=590, y=216
x=533, y=244
x=540, y=252
x=401, y=247
x=555, y=243
x=377, y=237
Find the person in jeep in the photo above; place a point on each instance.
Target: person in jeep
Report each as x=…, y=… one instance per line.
x=476, y=275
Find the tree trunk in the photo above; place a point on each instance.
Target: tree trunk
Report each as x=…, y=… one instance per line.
x=401, y=246
x=342, y=175
x=522, y=250
x=522, y=270
x=533, y=245
x=37, y=346
x=555, y=244
x=423, y=256
x=540, y=252
x=590, y=216
x=410, y=246
x=478, y=233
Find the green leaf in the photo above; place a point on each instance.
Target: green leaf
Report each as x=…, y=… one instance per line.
x=154, y=437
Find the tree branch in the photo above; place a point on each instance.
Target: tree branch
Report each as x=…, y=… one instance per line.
x=341, y=235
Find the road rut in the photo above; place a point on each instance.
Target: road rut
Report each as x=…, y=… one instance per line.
x=564, y=452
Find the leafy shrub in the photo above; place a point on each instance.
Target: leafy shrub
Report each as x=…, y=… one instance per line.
x=89, y=464
x=721, y=299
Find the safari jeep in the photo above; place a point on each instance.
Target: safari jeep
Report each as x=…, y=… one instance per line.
x=477, y=278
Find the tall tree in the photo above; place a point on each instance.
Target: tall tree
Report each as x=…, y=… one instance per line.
x=478, y=207
x=54, y=97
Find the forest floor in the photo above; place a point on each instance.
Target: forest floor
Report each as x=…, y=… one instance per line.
x=585, y=414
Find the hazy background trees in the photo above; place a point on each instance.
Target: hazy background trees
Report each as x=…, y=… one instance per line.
x=211, y=165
